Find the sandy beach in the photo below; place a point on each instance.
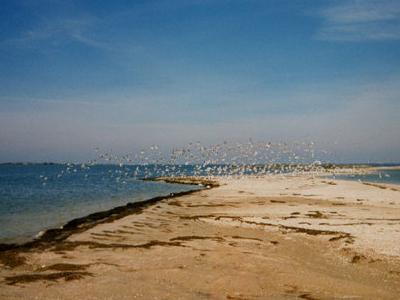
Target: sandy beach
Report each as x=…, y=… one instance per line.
x=274, y=237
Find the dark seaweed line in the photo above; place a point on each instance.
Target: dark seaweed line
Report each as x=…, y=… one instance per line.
x=52, y=236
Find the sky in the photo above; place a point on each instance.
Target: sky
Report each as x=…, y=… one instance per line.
x=120, y=75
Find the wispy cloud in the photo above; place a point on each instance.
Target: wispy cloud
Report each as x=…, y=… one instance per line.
x=58, y=32
x=360, y=20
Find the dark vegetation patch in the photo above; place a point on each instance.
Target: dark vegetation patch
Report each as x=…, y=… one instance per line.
x=186, y=180
x=277, y=201
x=208, y=205
x=27, y=278
x=340, y=236
x=68, y=246
x=314, y=231
x=196, y=237
x=300, y=294
x=308, y=231
x=348, y=224
x=356, y=258
x=109, y=235
x=11, y=258
x=394, y=272
x=235, y=218
x=307, y=296
x=375, y=185
x=124, y=231
x=316, y=214
x=64, y=267
x=196, y=217
x=138, y=224
x=175, y=203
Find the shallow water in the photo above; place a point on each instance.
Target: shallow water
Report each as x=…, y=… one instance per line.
x=382, y=176
x=36, y=197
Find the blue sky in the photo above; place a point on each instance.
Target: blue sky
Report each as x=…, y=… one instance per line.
x=124, y=74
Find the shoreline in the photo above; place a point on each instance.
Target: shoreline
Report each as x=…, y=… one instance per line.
x=252, y=238
x=53, y=235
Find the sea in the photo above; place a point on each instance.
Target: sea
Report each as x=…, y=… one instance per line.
x=36, y=197
x=379, y=176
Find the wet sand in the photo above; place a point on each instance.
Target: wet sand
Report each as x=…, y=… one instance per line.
x=250, y=238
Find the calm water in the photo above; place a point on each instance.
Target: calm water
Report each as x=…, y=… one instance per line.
x=383, y=176
x=37, y=197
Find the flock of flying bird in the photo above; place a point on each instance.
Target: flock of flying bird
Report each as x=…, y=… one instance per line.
x=195, y=159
